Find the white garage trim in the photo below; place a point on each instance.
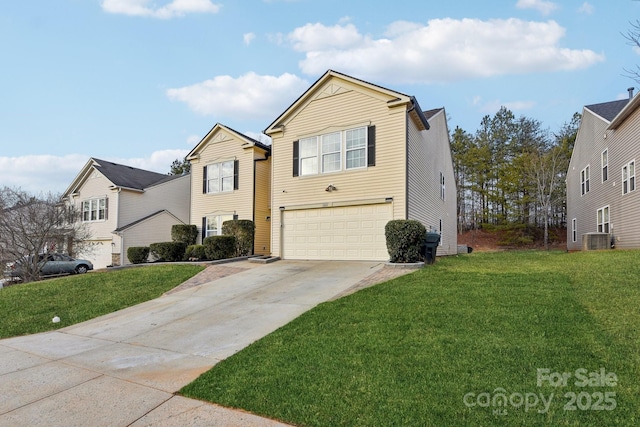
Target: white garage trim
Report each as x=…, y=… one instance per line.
x=340, y=231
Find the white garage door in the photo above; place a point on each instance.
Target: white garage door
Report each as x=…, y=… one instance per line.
x=98, y=252
x=337, y=233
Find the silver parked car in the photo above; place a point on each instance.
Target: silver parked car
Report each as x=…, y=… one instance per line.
x=54, y=264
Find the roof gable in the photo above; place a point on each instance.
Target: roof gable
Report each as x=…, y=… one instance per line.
x=119, y=175
x=607, y=110
x=128, y=176
x=217, y=134
x=332, y=83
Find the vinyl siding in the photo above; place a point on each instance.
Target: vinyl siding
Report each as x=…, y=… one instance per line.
x=340, y=105
x=102, y=242
x=623, y=146
x=262, y=242
x=624, y=208
x=224, y=146
x=429, y=156
x=153, y=230
x=172, y=195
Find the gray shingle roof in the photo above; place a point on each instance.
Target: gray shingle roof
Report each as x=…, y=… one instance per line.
x=608, y=110
x=127, y=176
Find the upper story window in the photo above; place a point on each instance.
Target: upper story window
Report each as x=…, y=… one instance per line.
x=334, y=152
x=220, y=177
x=94, y=209
x=605, y=165
x=584, y=181
x=603, y=220
x=629, y=177
x=442, y=189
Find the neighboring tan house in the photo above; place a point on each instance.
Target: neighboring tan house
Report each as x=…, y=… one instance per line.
x=347, y=157
x=602, y=198
x=125, y=206
x=230, y=175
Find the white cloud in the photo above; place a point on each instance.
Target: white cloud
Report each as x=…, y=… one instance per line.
x=586, y=8
x=173, y=9
x=192, y=140
x=443, y=50
x=544, y=7
x=48, y=173
x=250, y=94
x=248, y=38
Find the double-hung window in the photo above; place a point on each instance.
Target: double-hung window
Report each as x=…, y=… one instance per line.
x=603, y=220
x=94, y=209
x=574, y=230
x=629, y=177
x=442, y=189
x=605, y=165
x=584, y=181
x=220, y=177
x=212, y=225
x=334, y=152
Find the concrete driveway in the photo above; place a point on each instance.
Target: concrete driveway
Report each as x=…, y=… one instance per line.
x=123, y=368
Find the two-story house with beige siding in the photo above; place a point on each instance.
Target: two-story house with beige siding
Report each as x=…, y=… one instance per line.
x=125, y=206
x=602, y=197
x=230, y=175
x=347, y=157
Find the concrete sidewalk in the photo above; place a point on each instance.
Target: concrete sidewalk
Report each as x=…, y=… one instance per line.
x=123, y=368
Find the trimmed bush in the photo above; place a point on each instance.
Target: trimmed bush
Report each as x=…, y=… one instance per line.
x=220, y=247
x=196, y=252
x=184, y=233
x=244, y=231
x=138, y=254
x=405, y=239
x=168, y=251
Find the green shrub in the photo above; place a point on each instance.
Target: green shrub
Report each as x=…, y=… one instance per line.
x=405, y=239
x=184, y=233
x=168, y=251
x=196, y=252
x=244, y=231
x=138, y=254
x=220, y=247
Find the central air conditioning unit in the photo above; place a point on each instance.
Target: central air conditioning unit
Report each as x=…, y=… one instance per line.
x=596, y=241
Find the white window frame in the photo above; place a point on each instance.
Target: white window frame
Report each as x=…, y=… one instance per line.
x=574, y=230
x=219, y=220
x=216, y=174
x=584, y=181
x=604, y=219
x=312, y=161
x=94, y=210
x=604, y=160
x=629, y=177
x=442, y=187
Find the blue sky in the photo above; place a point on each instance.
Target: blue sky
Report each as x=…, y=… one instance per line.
x=140, y=82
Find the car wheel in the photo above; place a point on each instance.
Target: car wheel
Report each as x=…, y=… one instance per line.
x=81, y=269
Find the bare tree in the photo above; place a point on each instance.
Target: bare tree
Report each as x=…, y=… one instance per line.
x=31, y=225
x=633, y=39
x=547, y=167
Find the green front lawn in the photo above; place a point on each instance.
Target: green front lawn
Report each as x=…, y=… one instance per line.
x=439, y=347
x=30, y=307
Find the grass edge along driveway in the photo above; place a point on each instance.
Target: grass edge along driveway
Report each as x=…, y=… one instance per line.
x=29, y=308
x=479, y=339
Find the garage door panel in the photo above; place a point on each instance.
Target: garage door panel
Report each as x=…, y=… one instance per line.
x=349, y=233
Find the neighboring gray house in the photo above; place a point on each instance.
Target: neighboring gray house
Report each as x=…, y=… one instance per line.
x=126, y=206
x=602, y=201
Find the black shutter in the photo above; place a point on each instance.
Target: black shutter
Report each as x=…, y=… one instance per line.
x=296, y=158
x=236, y=164
x=371, y=146
x=204, y=180
x=204, y=228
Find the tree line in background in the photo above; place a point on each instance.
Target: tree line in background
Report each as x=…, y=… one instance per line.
x=512, y=171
